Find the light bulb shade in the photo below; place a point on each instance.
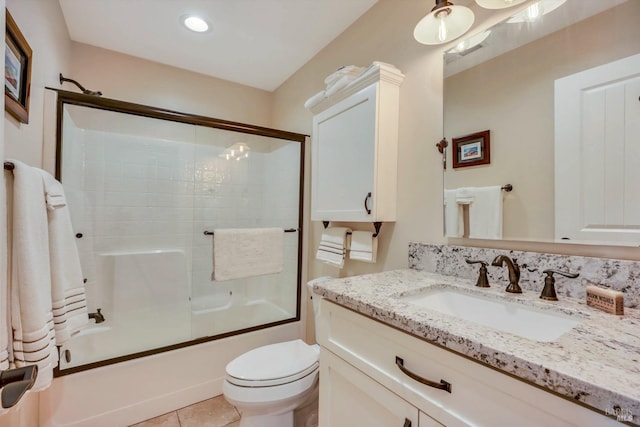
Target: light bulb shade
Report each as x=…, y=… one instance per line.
x=443, y=24
x=498, y=4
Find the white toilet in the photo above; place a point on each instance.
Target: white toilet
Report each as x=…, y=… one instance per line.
x=269, y=383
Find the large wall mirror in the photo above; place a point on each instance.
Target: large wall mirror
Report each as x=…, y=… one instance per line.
x=550, y=105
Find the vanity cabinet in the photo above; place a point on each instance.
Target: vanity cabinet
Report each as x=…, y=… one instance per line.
x=361, y=383
x=355, y=150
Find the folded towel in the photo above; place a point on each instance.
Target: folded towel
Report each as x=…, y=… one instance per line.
x=30, y=282
x=239, y=253
x=364, y=247
x=339, y=84
x=333, y=246
x=67, y=285
x=315, y=100
x=485, y=213
x=347, y=70
x=453, y=215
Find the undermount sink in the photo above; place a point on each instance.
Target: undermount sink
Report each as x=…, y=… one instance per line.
x=506, y=316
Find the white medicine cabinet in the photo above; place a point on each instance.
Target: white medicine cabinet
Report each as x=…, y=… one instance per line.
x=355, y=150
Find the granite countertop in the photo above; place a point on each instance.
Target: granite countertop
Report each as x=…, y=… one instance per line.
x=595, y=363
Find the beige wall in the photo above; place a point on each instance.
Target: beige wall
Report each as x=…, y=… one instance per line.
x=384, y=33
x=43, y=26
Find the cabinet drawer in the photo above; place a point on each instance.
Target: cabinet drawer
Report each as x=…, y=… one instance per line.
x=349, y=398
x=479, y=395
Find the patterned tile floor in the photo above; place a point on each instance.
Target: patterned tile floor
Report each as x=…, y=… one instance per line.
x=215, y=412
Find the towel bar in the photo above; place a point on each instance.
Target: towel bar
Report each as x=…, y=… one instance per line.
x=286, y=230
x=376, y=225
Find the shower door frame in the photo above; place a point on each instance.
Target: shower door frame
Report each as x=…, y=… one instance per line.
x=125, y=107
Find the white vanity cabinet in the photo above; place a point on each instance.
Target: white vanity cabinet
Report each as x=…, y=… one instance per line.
x=361, y=384
x=354, y=150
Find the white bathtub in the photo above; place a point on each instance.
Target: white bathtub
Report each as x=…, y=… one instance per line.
x=214, y=321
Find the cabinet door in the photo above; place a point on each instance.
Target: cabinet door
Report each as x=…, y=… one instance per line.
x=349, y=398
x=344, y=138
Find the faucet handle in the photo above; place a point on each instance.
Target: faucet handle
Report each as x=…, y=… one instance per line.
x=549, y=291
x=483, y=278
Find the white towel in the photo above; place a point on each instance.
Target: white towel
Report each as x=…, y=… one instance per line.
x=347, y=70
x=465, y=195
x=333, y=246
x=453, y=216
x=364, y=247
x=315, y=100
x=5, y=318
x=30, y=285
x=248, y=252
x=67, y=286
x=340, y=84
x=485, y=213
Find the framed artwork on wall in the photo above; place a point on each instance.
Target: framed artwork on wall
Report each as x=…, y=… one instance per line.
x=471, y=150
x=17, y=71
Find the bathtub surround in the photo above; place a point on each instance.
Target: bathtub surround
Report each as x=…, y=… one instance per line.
x=145, y=193
x=46, y=297
x=619, y=275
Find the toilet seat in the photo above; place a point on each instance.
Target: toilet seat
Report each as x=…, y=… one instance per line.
x=273, y=365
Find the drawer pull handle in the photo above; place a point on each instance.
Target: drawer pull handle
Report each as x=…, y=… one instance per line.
x=407, y=422
x=442, y=385
x=366, y=203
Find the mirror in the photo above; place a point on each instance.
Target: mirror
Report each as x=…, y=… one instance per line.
x=513, y=111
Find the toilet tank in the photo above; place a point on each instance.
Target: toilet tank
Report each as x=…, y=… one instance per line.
x=315, y=299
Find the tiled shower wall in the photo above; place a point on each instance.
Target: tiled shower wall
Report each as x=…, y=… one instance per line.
x=131, y=193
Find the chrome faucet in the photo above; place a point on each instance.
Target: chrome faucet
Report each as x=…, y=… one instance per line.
x=514, y=273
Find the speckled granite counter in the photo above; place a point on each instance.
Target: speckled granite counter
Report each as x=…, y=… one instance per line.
x=596, y=363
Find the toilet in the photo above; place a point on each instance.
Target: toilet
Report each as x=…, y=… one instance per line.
x=268, y=384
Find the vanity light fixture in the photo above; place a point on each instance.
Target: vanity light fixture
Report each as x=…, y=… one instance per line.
x=195, y=23
x=535, y=11
x=470, y=42
x=498, y=4
x=444, y=23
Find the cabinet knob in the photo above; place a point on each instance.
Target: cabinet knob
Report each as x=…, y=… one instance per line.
x=366, y=203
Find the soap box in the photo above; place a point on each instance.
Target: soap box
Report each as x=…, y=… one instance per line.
x=605, y=299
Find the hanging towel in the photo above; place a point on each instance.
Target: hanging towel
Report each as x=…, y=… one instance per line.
x=465, y=195
x=453, y=216
x=30, y=283
x=247, y=252
x=333, y=246
x=67, y=286
x=5, y=318
x=485, y=213
x=364, y=247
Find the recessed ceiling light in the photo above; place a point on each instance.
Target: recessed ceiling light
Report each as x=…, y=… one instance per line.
x=195, y=23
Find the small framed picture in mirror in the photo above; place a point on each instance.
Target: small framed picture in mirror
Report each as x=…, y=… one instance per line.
x=471, y=150
x=17, y=71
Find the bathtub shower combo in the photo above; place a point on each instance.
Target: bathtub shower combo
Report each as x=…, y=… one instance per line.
x=146, y=187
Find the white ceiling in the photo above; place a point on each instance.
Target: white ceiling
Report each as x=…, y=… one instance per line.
x=258, y=43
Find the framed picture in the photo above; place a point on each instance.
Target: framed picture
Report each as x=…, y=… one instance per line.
x=471, y=150
x=17, y=72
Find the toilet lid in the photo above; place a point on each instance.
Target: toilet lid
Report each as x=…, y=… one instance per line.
x=273, y=364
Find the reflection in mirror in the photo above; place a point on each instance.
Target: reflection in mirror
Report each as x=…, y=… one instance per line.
x=560, y=96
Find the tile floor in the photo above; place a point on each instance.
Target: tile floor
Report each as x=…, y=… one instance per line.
x=216, y=412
